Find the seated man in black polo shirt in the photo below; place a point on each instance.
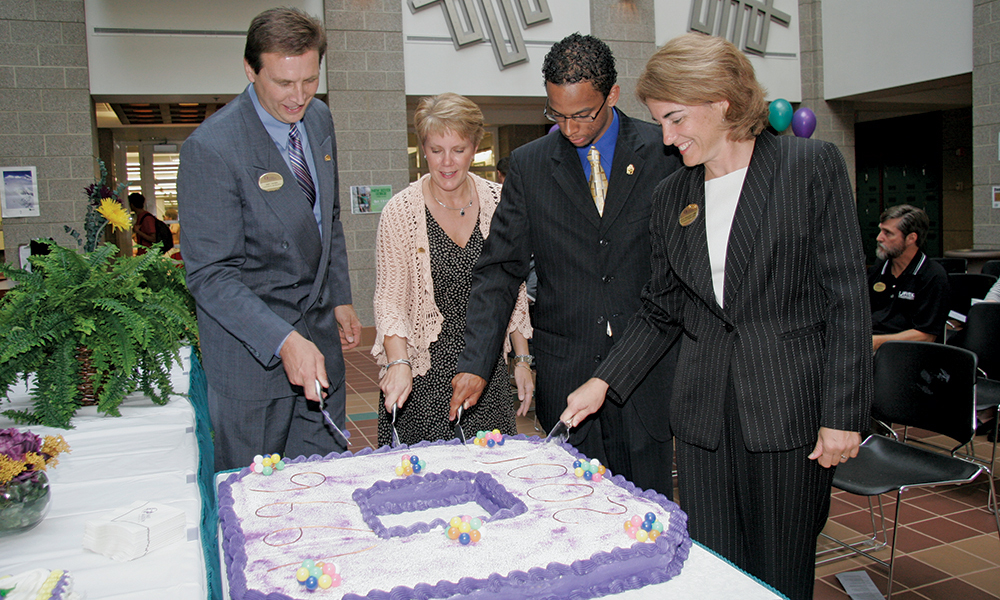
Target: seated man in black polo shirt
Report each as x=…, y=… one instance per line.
x=908, y=291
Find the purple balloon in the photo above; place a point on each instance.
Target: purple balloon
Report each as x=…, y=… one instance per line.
x=804, y=122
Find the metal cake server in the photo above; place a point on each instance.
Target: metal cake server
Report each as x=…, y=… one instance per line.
x=395, y=436
x=558, y=435
x=458, y=425
x=343, y=434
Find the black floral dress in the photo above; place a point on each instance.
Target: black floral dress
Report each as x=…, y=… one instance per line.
x=424, y=416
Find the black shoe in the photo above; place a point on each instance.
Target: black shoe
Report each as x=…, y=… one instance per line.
x=987, y=428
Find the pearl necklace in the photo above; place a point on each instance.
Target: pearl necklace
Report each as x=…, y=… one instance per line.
x=430, y=185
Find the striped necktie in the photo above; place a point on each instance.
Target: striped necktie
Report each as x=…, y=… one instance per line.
x=598, y=181
x=299, y=167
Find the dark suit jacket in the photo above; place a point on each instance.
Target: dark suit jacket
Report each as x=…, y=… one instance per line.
x=795, y=333
x=591, y=269
x=256, y=264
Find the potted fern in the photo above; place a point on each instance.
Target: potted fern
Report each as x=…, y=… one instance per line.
x=92, y=325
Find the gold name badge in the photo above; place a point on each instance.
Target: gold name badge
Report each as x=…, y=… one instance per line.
x=270, y=182
x=879, y=286
x=688, y=215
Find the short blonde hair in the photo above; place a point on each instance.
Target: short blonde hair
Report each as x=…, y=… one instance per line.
x=695, y=69
x=449, y=112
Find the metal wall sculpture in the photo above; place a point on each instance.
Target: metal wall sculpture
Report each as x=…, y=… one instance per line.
x=501, y=22
x=750, y=38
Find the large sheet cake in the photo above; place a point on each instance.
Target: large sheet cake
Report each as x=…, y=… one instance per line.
x=545, y=533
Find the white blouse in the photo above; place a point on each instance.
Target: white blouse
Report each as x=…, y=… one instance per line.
x=722, y=195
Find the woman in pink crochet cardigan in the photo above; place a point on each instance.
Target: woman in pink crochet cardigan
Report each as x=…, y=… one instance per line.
x=429, y=239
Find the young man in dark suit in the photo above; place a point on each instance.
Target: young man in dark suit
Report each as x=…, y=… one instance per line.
x=264, y=251
x=589, y=236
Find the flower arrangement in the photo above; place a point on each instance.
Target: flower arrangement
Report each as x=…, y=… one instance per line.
x=126, y=317
x=104, y=206
x=23, y=455
x=24, y=486
x=93, y=327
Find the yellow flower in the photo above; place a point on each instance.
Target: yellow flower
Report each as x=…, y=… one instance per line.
x=52, y=446
x=9, y=468
x=112, y=211
x=34, y=462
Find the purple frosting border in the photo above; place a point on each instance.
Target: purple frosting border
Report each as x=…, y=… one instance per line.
x=645, y=558
x=61, y=587
x=511, y=506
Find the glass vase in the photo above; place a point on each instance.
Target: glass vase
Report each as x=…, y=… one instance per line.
x=23, y=504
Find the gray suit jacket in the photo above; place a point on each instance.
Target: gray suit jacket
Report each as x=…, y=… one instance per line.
x=591, y=269
x=795, y=333
x=256, y=263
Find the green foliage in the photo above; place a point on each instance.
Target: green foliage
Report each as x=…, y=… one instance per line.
x=133, y=314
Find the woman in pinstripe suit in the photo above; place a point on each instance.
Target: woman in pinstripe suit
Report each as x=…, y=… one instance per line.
x=757, y=261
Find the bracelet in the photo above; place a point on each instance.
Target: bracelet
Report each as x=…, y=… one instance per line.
x=523, y=358
x=401, y=361
x=524, y=364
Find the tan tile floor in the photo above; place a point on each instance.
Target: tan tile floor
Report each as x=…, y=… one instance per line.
x=948, y=546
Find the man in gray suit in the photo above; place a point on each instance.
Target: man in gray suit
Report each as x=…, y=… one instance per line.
x=264, y=251
x=592, y=257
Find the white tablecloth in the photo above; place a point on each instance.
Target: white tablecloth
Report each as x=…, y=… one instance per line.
x=149, y=453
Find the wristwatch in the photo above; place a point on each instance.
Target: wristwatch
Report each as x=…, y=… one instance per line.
x=524, y=358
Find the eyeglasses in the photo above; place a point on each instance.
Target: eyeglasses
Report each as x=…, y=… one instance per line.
x=558, y=118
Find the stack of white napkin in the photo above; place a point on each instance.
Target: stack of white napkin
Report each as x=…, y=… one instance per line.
x=135, y=530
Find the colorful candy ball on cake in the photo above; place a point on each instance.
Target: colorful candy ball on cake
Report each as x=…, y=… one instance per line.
x=316, y=574
x=465, y=529
x=266, y=464
x=591, y=470
x=644, y=529
x=488, y=439
x=409, y=464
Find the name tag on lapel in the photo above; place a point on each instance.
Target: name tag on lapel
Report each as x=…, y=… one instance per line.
x=688, y=215
x=270, y=182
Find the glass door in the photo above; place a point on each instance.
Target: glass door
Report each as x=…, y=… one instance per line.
x=152, y=171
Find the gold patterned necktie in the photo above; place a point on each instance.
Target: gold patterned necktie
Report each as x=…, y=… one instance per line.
x=598, y=181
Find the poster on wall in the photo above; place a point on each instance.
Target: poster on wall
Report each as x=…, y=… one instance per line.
x=19, y=192
x=369, y=198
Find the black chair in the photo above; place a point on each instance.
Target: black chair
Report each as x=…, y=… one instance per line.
x=917, y=384
x=980, y=336
x=953, y=265
x=991, y=267
x=963, y=287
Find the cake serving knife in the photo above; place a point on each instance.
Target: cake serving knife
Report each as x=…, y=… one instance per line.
x=395, y=436
x=343, y=434
x=458, y=426
x=558, y=435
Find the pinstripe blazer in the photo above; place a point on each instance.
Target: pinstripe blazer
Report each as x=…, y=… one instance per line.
x=795, y=333
x=256, y=263
x=591, y=268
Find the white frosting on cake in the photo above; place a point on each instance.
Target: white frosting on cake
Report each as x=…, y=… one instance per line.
x=538, y=513
x=39, y=584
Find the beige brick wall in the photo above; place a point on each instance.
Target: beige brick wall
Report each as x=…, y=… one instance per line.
x=367, y=97
x=834, y=120
x=985, y=121
x=46, y=115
